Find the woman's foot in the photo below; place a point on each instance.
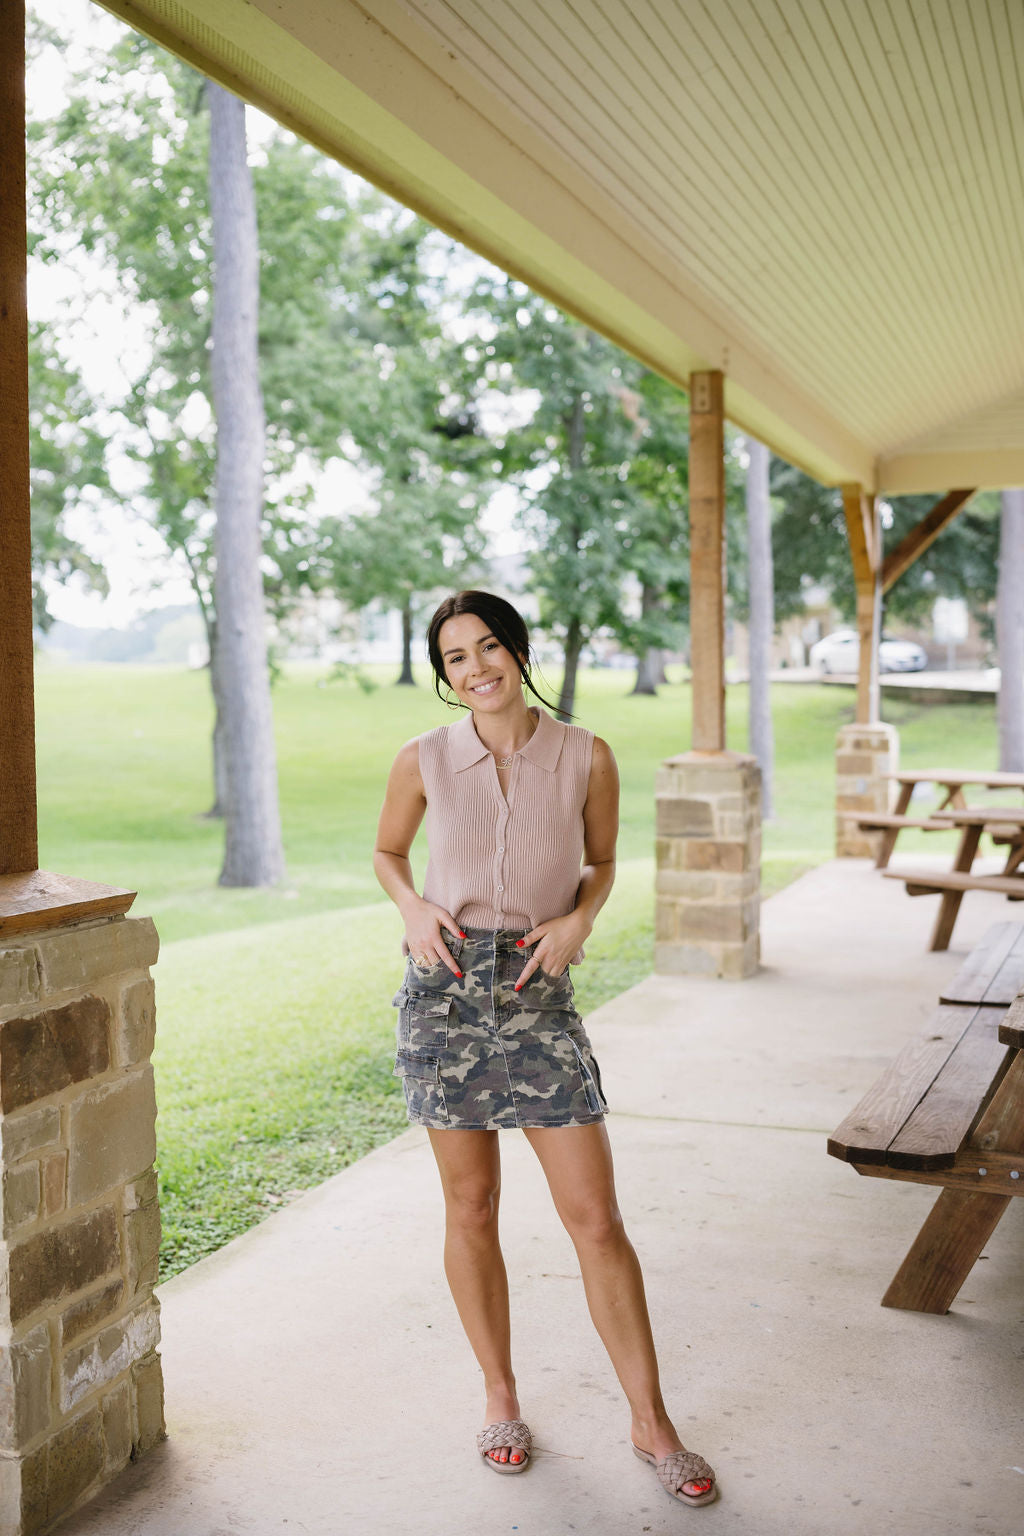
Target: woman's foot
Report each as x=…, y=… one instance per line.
x=502, y=1405
x=657, y=1436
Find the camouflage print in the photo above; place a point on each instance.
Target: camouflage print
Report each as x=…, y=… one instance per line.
x=474, y=1053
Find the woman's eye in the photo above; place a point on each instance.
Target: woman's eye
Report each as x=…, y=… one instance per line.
x=492, y=645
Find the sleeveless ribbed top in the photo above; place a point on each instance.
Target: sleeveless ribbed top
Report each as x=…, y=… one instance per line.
x=505, y=864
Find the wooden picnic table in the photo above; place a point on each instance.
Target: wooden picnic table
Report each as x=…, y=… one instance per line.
x=950, y=1111
x=1006, y=824
x=951, y=782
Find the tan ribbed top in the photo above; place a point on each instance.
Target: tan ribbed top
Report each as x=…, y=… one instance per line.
x=505, y=864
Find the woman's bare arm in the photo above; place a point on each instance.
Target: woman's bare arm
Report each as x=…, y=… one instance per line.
x=559, y=938
x=405, y=804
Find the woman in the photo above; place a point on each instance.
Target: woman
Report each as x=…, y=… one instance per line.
x=487, y=1035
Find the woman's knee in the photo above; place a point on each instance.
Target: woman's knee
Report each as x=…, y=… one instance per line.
x=471, y=1205
x=594, y=1223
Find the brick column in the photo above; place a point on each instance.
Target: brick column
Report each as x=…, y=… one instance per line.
x=709, y=864
x=864, y=754
x=80, y=1380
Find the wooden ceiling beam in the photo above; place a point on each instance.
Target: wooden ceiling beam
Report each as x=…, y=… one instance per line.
x=921, y=535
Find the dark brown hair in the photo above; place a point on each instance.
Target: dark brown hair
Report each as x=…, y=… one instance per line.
x=505, y=624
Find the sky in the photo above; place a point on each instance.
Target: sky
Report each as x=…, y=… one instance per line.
x=141, y=574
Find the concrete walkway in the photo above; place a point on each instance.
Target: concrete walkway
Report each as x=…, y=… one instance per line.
x=317, y=1380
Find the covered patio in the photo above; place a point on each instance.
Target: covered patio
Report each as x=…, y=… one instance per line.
x=316, y=1375
x=808, y=215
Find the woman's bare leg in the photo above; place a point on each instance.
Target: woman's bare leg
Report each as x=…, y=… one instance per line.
x=577, y=1162
x=470, y=1169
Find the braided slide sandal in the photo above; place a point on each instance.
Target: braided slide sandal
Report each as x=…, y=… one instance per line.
x=510, y=1432
x=679, y=1468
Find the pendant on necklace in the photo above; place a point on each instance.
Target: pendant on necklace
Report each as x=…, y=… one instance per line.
x=505, y=762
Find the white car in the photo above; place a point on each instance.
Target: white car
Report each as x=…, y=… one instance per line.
x=840, y=651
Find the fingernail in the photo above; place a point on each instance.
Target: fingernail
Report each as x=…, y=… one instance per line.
x=520, y=943
x=517, y=986
x=461, y=934
x=459, y=974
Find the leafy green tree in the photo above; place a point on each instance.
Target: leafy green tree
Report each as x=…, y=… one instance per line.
x=68, y=455
x=570, y=460
x=416, y=431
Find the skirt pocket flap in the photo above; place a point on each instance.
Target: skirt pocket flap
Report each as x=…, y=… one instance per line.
x=400, y=998
x=425, y=1007
x=409, y=1064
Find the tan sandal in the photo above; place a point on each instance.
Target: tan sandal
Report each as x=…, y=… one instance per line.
x=511, y=1432
x=679, y=1468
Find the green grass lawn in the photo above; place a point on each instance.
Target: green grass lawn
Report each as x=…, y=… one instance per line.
x=273, y=1049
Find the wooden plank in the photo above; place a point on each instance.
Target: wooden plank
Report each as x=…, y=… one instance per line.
x=1011, y=1030
x=985, y=975
x=707, y=560
x=18, y=838
x=943, y=1120
x=997, y=779
x=1003, y=1175
x=922, y=535
x=37, y=899
x=928, y=881
x=879, y=819
x=945, y=1251
x=869, y=1129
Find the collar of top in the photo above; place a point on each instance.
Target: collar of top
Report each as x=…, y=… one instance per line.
x=543, y=747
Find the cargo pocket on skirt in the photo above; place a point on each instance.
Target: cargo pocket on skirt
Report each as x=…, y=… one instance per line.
x=590, y=1072
x=422, y=1020
x=421, y=1078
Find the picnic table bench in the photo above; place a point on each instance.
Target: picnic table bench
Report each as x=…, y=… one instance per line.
x=1006, y=824
x=951, y=783
x=950, y=1111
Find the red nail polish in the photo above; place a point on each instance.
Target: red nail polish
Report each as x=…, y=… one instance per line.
x=517, y=986
x=520, y=943
x=461, y=934
x=459, y=974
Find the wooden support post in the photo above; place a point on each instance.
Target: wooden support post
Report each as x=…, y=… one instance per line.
x=865, y=535
x=707, y=560
x=18, y=838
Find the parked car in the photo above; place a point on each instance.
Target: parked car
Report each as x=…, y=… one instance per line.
x=840, y=651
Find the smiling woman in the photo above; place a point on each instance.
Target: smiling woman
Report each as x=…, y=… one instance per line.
x=521, y=816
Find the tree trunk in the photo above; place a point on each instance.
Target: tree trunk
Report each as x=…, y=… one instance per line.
x=650, y=666
x=573, y=647
x=405, y=677
x=1010, y=632
x=253, y=851
x=220, y=768
x=762, y=617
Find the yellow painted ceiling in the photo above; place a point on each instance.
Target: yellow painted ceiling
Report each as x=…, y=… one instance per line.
x=823, y=198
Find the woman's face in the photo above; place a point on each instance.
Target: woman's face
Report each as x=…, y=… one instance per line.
x=481, y=672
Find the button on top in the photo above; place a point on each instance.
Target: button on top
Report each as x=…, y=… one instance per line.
x=501, y=848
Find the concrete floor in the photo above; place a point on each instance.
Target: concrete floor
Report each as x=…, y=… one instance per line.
x=318, y=1382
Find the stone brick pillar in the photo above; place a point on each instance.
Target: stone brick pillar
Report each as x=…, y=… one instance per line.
x=80, y=1379
x=709, y=864
x=864, y=754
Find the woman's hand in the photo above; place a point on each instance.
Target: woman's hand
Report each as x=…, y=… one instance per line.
x=424, y=921
x=557, y=941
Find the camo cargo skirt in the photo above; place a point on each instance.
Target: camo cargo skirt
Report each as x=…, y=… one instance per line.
x=474, y=1054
